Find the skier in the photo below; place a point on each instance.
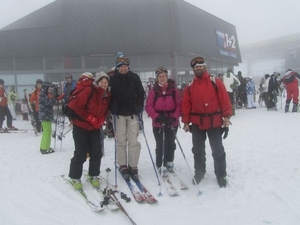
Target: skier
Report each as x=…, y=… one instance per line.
x=250, y=89
x=273, y=91
x=24, y=109
x=90, y=106
x=264, y=86
x=4, y=110
x=11, y=98
x=127, y=103
x=45, y=113
x=291, y=82
x=231, y=83
x=206, y=105
x=164, y=107
x=34, y=101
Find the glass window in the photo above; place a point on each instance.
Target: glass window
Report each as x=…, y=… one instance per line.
x=28, y=79
x=147, y=60
x=29, y=63
x=163, y=60
x=109, y=62
x=93, y=62
x=54, y=63
x=8, y=79
x=72, y=62
x=6, y=64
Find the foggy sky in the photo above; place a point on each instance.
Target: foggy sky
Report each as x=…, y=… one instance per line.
x=255, y=20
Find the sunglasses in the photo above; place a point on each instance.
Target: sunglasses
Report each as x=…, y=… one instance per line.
x=198, y=60
x=123, y=60
x=161, y=70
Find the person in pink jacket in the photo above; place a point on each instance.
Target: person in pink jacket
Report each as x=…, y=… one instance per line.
x=164, y=107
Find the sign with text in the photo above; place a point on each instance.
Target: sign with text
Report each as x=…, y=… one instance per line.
x=227, y=43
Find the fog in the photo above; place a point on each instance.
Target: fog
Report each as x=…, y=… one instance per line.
x=254, y=20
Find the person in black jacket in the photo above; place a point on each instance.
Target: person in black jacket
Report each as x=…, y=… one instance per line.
x=273, y=91
x=127, y=101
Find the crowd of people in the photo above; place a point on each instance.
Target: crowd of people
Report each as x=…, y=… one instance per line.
x=205, y=107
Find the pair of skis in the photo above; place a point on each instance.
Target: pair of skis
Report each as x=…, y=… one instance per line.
x=169, y=178
x=141, y=193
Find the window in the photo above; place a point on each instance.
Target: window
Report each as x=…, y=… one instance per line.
x=29, y=63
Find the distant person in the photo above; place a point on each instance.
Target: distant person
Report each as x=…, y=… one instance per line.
x=273, y=91
x=291, y=82
x=241, y=91
x=68, y=87
x=45, y=113
x=11, y=98
x=264, y=86
x=220, y=76
x=4, y=110
x=34, y=101
x=24, y=109
x=127, y=102
x=251, y=91
x=206, y=105
x=231, y=83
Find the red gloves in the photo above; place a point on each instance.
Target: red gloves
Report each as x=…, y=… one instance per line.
x=97, y=123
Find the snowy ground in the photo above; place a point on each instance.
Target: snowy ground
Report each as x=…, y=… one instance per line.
x=262, y=163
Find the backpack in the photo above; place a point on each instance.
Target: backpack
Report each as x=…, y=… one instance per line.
x=69, y=112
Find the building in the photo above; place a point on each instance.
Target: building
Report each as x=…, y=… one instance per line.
x=74, y=36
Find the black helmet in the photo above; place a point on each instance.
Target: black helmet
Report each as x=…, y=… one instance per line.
x=1, y=81
x=39, y=81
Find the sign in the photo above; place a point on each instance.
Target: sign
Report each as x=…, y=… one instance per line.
x=227, y=43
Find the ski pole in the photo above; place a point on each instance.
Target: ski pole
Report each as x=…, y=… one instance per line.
x=115, y=138
x=163, y=151
x=62, y=131
x=143, y=131
x=187, y=164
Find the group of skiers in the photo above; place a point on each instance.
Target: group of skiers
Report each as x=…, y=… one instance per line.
x=205, y=105
x=203, y=113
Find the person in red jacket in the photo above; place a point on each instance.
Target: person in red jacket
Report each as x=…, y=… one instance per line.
x=291, y=82
x=206, y=105
x=4, y=110
x=90, y=106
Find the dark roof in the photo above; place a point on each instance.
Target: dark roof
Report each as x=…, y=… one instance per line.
x=109, y=26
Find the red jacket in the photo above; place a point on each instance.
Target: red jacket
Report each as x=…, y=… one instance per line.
x=204, y=105
x=97, y=106
x=3, y=97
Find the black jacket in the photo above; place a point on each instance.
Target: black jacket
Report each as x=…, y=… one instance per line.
x=127, y=93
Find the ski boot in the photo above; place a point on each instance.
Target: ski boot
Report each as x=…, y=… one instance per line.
x=49, y=151
x=94, y=181
x=295, y=107
x=222, y=181
x=125, y=172
x=134, y=172
x=287, y=106
x=170, y=167
x=76, y=184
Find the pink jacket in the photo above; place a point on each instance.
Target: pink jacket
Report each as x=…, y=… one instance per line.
x=164, y=104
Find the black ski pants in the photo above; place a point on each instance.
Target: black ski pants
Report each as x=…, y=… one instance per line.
x=170, y=145
x=4, y=111
x=218, y=153
x=86, y=142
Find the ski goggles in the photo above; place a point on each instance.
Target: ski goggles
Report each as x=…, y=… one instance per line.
x=122, y=61
x=199, y=61
x=161, y=70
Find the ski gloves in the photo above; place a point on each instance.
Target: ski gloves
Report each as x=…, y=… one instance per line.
x=164, y=119
x=224, y=130
x=97, y=123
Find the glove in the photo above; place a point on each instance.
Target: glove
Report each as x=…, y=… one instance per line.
x=93, y=120
x=138, y=109
x=224, y=130
x=170, y=121
x=99, y=123
x=161, y=119
x=226, y=122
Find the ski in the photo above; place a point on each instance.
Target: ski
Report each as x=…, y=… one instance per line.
x=177, y=179
x=110, y=204
x=147, y=195
x=82, y=194
x=111, y=194
x=15, y=131
x=171, y=189
x=138, y=197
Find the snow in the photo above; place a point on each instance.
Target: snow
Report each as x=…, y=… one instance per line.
x=262, y=164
